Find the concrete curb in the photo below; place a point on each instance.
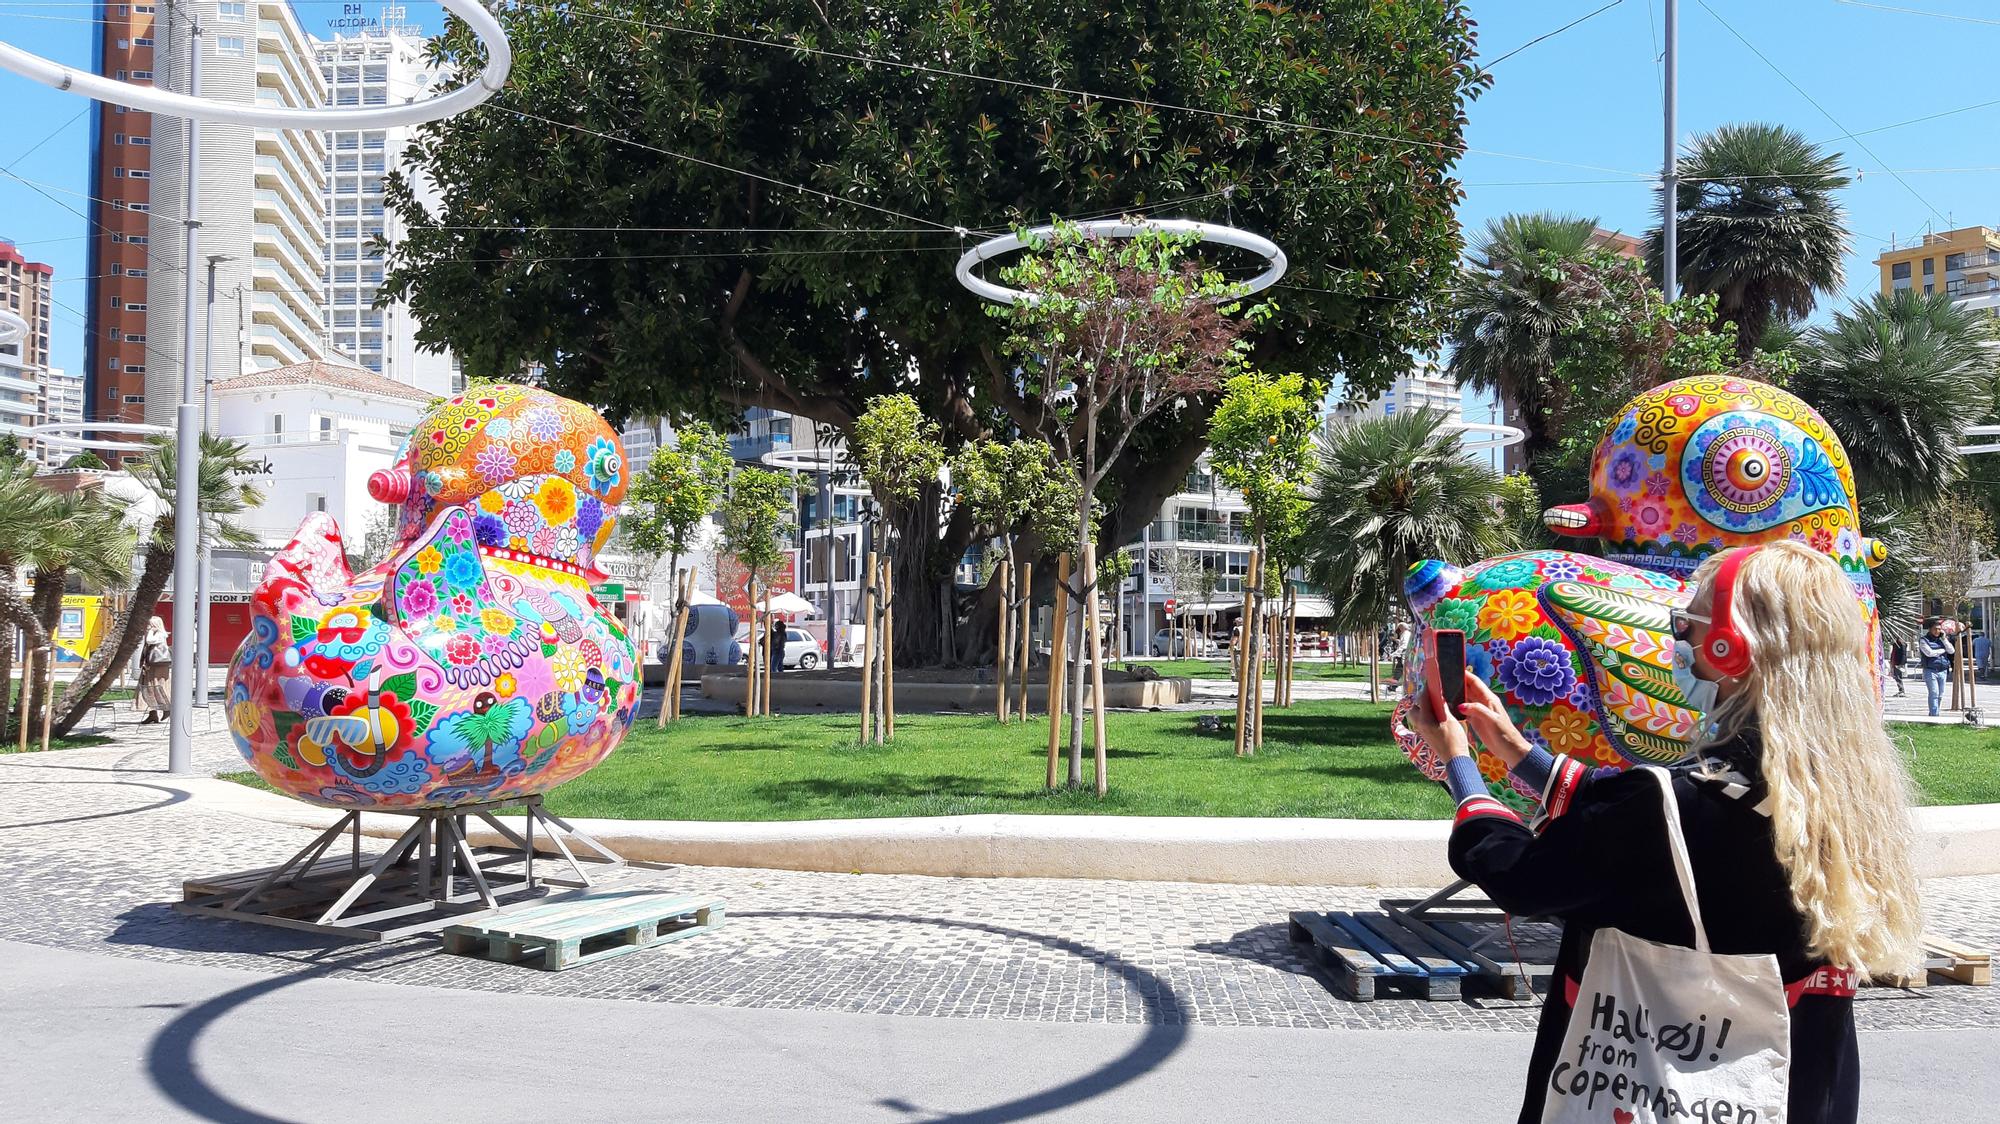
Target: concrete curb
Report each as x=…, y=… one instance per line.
x=1951, y=841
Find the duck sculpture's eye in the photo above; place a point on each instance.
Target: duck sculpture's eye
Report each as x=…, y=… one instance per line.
x=1748, y=470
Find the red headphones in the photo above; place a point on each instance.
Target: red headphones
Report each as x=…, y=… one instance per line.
x=1727, y=649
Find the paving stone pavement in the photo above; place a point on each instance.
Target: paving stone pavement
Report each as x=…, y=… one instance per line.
x=95, y=842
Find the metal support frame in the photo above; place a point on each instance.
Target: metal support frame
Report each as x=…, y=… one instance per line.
x=429, y=877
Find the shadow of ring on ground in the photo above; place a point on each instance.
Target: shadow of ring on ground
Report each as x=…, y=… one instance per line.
x=173, y=796
x=1166, y=1024
x=173, y=1067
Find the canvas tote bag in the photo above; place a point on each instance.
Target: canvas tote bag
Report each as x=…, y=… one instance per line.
x=1661, y=1033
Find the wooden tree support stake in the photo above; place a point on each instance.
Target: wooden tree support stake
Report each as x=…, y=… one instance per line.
x=1057, y=637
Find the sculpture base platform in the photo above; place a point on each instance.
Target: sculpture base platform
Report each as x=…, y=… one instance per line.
x=430, y=877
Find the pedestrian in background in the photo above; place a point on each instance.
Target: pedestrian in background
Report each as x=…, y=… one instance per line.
x=1898, y=656
x=156, y=667
x=1934, y=651
x=1982, y=650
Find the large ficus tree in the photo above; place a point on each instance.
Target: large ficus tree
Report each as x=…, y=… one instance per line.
x=617, y=214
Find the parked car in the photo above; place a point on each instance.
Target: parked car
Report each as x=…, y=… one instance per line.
x=801, y=650
x=1174, y=642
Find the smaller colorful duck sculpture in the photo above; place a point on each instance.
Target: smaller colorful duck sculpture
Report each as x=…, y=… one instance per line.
x=474, y=664
x=1577, y=646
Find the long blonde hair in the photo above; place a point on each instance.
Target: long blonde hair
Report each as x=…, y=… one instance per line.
x=1839, y=793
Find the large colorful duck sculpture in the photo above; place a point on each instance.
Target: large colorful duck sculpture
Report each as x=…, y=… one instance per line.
x=474, y=664
x=1577, y=646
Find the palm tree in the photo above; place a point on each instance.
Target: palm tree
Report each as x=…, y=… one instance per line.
x=26, y=512
x=1760, y=225
x=1507, y=316
x=1390, y=492
x=85, y=539
x=223, y=467
x=1899, y=376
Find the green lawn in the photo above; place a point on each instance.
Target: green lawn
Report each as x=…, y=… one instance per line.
x=1321, y=758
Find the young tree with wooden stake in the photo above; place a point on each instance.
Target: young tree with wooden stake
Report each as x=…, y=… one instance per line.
x=1258, y=442
x=1025, y=631
x=1058, y=632
x=1008, y=488
x=898, y=452
x=868, y=574
x=1113, y=334
x=664, y=512
x=756, y=520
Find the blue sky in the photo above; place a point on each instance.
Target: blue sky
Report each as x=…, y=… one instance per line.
x=1578, y=114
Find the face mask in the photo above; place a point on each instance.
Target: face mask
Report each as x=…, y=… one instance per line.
x=1699, y=692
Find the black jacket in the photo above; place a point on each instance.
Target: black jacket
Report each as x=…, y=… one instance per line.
x=1602, y=861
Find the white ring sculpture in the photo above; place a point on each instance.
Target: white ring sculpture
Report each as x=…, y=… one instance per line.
x=1274, y=258
x=13, y=329
x=57, y=434
x=1980, y=431
x=1503, y=436
x=499, y=60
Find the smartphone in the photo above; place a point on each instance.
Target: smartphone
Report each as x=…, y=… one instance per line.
x=1447, y=674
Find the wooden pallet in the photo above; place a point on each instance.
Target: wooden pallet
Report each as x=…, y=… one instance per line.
x=1948, y=960
x=583, y=928
x=1369, y=954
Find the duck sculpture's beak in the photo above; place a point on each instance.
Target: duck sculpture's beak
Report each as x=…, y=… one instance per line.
x=1581, y=520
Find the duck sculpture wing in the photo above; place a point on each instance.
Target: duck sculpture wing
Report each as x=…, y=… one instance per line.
x=1626, y=637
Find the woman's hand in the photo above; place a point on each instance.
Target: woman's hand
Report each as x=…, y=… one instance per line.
x=1445, y=736
x=1487, y=716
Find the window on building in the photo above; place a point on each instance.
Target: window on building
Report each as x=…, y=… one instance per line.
x=117, y=302
x=278, y=424
x=135, y=273
x=142, y=42
x=317, y=501
x=140, y=207
x=117, y=270
x=230, y=46
x=326, y=429
x=1927, y=288
x=136, y=369
x=111, y=392
x=124, y=44
x=142, y=9
x=124, y=74
x=142, y=140
x=112, y=362
x=117, y=173
x=118, y=138
x=135, y=399
x=1900, y=271
x=1930, y=267
x=139, y=239
x=139, y=174
x=138, y=307
x=119, y=205
x=114, y=333
x=117, y=237
x=229, y=11
x=118, y=109
x=142, y=76
x=135, y=337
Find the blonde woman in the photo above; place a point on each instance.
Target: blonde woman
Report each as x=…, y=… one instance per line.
x=156, y=666
x=1795, y=807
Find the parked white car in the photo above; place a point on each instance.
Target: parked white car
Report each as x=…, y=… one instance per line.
x=1175, y=643
x=801, y=650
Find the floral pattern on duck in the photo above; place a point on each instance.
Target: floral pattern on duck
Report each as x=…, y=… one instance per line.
x=1576, y=646
x=465, y=668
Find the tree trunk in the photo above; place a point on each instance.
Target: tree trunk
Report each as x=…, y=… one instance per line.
x=1058, y=634
x=1003, y=574
x=1025, y=630
x=1098, y=711
x=46, y=603
x=103, y=666
x=869, y=638
x=8, y=638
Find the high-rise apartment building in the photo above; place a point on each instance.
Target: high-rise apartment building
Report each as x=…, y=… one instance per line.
x=24, y=293
x=1964, y=263
x=119, y=259
x=380, y=65
x=260, y=202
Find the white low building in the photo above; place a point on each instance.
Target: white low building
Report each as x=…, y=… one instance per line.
x=319, y=431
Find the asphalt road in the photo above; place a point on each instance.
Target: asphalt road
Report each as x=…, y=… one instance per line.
x=108, y=1038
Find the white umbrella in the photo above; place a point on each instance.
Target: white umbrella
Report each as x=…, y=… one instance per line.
x=790, y=604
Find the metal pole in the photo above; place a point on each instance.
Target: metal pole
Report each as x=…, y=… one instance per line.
x=187, y=451
x=1145, y=622
x=207, y=426
x=1670, y=267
